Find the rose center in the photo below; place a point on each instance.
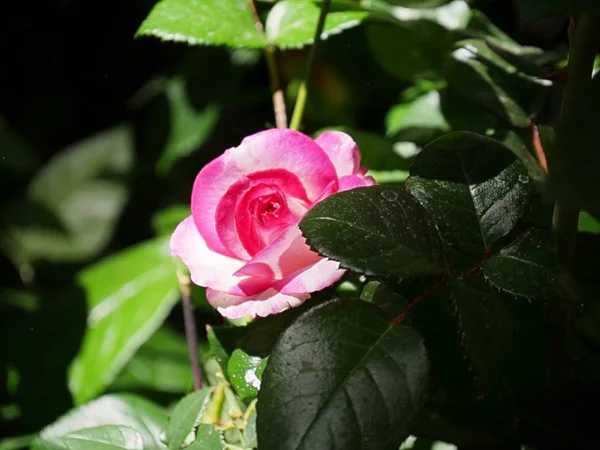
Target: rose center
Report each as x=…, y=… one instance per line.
x=269, y=210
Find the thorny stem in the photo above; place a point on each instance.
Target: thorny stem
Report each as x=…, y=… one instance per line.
x=417, y=301
x=444, y=281
x=303, y=90
x=189, y=320
x=584, y=38
x=278, y=98
x=538, y=147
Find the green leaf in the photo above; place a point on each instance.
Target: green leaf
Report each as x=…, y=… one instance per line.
x=250, y=431
x=515, y=143
x=292, y=23
x=485, y=326
x=161, y=364
x=389, y=176
x=186, y=417
x=73, y=204
x=113, y=419
x=189, y=128
x=528, y=267
x=204, y=22
x=128, y=296
x=342, y=377
x=417, y=120
x=418, y=49
x=107, y=437
x=17, y=443
x=588, y=224
x=452, y=16
x=474, y=188
x=482, y=76
x=245, y=373
x=496, y=38
x=379, y=230
x=166, y=220
x=207, y=438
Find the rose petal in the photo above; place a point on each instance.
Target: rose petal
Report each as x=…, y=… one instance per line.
x=208, y=268
x=269, y=302
x=352, y=181
x=270, y=149
x=312, y=278
x=286, y=255
x=342, y=150
x=236, y=228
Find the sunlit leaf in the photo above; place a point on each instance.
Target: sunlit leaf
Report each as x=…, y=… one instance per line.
x=109, y=423
x=128, y=295
x=186, y=417
x=292, y=23
x=208, y=22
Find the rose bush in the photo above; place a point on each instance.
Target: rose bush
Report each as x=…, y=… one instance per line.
x=242, y=241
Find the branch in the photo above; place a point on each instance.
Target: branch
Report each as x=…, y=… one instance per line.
x=190, y=326
x=278, y=98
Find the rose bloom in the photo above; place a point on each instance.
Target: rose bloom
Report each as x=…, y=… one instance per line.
x=242, y=241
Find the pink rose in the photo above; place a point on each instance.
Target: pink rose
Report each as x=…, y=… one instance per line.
x=242, y=241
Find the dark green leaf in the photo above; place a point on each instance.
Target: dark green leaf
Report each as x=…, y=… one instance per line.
x=186, y=417
x=482, y=76
x=485, y=327
x=128, y=296
x=72, y=206
x=292, y=23
x=207, y=438
x=245, y=372
x=130, y=416
x=341, y=377
x=528, y=267
x=376, y=230
x=474, y=188
x=189, y=128
x=204, y=22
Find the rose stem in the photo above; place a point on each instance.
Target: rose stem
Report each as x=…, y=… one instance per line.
x=584, y=36
x=303, y=91
x=189, y=321
x=278, y=99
